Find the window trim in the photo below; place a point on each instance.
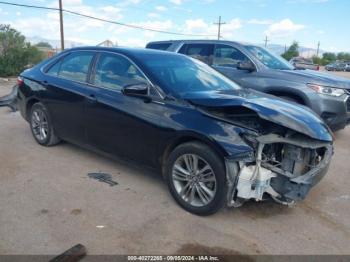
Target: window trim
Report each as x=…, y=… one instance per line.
x=45, y=68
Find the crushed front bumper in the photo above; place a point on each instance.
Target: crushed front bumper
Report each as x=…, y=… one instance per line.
x=258, y=178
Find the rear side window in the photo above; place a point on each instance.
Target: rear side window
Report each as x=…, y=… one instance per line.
x=159, y=46
x=228, y=56
x=115, y=72
x=202, y=52
x=74, y=66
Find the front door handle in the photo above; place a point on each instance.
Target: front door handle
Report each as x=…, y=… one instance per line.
x=92, y=98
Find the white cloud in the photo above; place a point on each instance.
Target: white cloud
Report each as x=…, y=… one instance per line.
x=283, y=28
x=199, y=26
x=176, y=2
x=161, y=8
x=260, y=22
x=153, y=15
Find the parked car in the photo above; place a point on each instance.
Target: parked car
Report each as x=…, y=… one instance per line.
x=213, y=141
x=257, y=68
x=303, y=63
x=338, y=66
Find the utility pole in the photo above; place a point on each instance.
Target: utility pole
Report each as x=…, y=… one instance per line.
x=318, y=48
x=266, y=40
x=61, y=24
x=219, y=27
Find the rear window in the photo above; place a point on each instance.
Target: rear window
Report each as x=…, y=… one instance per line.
x=159, y=46
x=74, y=66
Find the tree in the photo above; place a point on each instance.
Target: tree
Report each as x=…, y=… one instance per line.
x=44, y=44
x=343, y=56
x=328, y=57
x=15, y=53
x=291, y=52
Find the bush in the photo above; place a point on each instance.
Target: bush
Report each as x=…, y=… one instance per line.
x=15, y=53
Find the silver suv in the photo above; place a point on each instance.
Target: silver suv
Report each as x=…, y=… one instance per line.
x=255, y=67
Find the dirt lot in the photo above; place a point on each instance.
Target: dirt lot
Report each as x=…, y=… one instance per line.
x=48, y=204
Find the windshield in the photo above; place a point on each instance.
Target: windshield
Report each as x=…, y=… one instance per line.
x=180, y=74
x=269, y=59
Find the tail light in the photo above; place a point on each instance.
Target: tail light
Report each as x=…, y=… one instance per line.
x=318, y=68
x=20, y=81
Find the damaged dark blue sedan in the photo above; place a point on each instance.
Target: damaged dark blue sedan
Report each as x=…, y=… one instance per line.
x=214, y=142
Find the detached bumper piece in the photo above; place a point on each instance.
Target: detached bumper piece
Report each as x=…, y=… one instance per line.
x=285, y=168
x=10, y=100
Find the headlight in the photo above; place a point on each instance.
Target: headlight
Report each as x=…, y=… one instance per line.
x=326, y=90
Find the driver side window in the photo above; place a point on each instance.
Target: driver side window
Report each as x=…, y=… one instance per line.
x=228, y=56
x=115, y=72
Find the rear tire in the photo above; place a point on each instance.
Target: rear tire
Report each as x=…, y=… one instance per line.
x=196, y=178
x=41, y=126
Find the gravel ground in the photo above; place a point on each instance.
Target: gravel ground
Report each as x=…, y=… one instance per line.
x=48, y=204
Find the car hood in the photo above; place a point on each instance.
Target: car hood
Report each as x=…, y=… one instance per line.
x=271, y=108
x=315, y=77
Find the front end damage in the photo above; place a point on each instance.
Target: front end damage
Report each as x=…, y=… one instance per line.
x=284, y=168
x=291, y=147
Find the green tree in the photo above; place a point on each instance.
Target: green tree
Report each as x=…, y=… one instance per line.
x=343, y=56
x=317, y=60
x=44, y=44
x=15, y=53
x=292, y=51
x=328, y=57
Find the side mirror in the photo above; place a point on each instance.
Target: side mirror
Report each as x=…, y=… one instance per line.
x=246, y=65
x=136, y=90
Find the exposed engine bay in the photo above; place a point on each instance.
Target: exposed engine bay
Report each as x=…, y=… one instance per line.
x=285, y=165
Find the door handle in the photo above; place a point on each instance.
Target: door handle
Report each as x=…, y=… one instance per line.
x=44, y=83
x=92, y=98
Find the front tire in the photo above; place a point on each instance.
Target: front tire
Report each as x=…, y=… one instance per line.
x=196, y=178
x=41, y=126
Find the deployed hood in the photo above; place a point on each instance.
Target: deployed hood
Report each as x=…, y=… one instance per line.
x=270, y=108
x=315, y=77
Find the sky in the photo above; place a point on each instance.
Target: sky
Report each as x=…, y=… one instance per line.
x=282, y=21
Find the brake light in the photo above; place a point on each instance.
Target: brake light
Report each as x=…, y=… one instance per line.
x=20, y=81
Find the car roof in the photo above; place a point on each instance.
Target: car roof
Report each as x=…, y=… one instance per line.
x=202, y=41
x=121, y=50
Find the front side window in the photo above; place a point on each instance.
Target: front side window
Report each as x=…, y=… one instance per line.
x=75, y=66
x=202, y=52
x=116, y=72
x=268, y=59
x=228, y=56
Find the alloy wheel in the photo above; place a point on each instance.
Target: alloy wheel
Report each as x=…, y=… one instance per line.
x=194, y=180
x=39, y=124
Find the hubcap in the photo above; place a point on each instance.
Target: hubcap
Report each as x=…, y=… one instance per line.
x=39, y=124
x=194, y=180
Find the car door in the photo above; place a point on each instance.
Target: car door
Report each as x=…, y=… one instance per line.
x=226, y=59
x=120, y=124
x=66, y=94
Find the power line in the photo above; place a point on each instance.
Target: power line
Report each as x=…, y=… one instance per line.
x=101, y=19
